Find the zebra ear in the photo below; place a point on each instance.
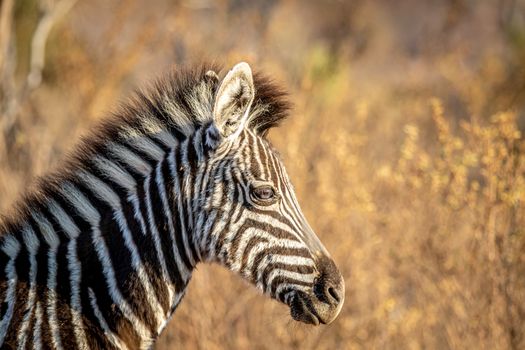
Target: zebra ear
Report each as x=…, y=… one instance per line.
x=234, y=99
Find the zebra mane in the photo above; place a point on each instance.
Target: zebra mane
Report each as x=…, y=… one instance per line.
x=177, y=103
x=184, y=99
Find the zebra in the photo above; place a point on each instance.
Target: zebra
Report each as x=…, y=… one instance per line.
x=99, y=253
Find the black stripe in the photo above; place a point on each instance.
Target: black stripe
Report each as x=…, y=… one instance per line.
x=173, y=270
x=161, y=221
x=303, y=269
x=264, y=226
x=190, y=178
x=249, y=246
x=259, y=258
x=282, y=279
x=4, y=259
x=177, y=211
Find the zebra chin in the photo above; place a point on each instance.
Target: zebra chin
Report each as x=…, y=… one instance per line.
x=324, y=301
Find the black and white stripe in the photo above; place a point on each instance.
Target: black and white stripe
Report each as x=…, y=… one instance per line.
x=99, y=256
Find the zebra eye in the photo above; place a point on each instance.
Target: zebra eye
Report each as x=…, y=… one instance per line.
x=264, y=193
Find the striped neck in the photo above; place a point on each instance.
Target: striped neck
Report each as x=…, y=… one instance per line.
x=145, y=189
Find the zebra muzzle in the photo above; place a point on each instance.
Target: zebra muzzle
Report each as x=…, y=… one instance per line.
x=325, y=301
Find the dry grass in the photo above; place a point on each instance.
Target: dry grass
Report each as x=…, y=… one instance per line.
x=406, y=150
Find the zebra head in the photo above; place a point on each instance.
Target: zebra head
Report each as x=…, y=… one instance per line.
x=251, y=217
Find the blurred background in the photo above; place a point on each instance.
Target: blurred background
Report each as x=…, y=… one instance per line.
x=405, y=146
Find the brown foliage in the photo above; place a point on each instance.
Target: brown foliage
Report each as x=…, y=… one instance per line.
x=405, y=146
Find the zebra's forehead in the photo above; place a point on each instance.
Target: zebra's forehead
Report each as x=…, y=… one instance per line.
x=258, y=159
x=256, y=142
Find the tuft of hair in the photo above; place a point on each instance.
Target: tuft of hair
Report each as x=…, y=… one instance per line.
x=270, y=106
x=183, y=100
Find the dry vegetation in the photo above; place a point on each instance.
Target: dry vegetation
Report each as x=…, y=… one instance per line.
x=406, y=148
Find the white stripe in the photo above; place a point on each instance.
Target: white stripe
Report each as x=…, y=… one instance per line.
x=197, y=233
x=256, y=151
x=37, y=328
x=283, y=259
x=287, y=296
x=307, y=278
x=186, y=189
x=197, y=144
x=130, y=158
x=295, y=287
x=32, y=244
x=218, y=188
x=210, y=255
x=53, y=241
x=176, y=300
x=266, y=149
x=146, y=145
x=112, y=337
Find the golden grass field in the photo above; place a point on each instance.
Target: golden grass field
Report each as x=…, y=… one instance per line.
x=405, y=146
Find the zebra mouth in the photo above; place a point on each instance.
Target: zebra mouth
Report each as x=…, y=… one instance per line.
x=303, y=310
x=317, y=307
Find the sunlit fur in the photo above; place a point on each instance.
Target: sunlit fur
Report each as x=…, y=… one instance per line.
x=265, y=244
x=100, y=253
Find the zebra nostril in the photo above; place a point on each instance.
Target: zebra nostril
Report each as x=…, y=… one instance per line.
x=327, y=292
x=333, y=293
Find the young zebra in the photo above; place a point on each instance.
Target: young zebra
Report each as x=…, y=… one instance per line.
x=100, y=254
